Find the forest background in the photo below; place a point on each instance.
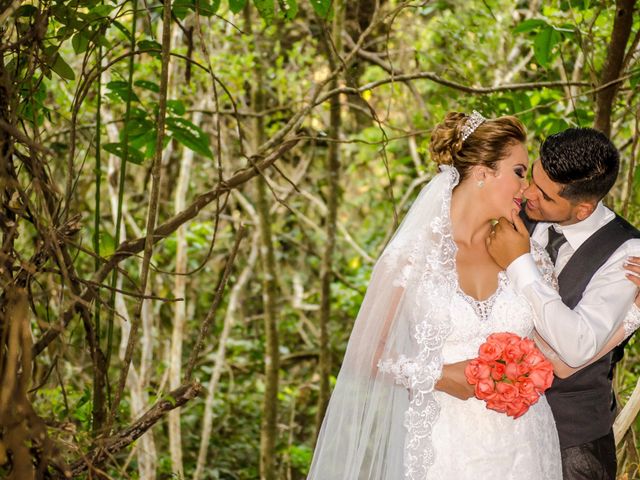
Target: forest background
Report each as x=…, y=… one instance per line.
x=194, y=193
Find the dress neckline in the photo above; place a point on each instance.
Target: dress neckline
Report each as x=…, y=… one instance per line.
x=483, y=308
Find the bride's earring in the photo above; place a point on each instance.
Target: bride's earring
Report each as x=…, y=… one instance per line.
x=480, y=183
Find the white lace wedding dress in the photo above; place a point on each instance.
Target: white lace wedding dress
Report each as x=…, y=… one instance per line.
x=471, y=441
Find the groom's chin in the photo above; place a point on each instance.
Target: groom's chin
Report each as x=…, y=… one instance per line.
x=532, y=214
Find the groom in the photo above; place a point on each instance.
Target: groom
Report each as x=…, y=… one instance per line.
x=588, y=244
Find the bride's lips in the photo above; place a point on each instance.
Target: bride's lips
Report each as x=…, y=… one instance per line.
x=518, y=202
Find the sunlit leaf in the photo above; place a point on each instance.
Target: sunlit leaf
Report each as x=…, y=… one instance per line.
x=79, y=42
x=266, y=9
x=118, y=149
x=62, y=68
x=147, y=85
x=528, y=25
x=321, y=7
x=121, y=89
x=543, y=45
x=289, y=8
x=236, y=6
x=189, y=135
x=176, y=106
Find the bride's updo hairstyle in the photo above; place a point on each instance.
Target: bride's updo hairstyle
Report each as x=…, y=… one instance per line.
x=489, y=143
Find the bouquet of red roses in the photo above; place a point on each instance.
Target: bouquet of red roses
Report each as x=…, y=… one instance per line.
x=509, y=374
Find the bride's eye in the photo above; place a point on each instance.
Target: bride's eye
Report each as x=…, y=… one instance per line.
x=521, y=172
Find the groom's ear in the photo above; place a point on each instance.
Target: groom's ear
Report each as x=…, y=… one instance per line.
x=584, y=209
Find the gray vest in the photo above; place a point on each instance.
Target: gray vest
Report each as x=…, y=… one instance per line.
x=583, y=405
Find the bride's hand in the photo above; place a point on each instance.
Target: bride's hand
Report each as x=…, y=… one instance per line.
x=633, y=266
x=454, y=382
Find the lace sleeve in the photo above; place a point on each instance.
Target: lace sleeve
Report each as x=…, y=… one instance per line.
x=543, y=262
x=631, y=321
x=403, y=369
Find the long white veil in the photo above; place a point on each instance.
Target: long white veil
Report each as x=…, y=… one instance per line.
x=379, y=420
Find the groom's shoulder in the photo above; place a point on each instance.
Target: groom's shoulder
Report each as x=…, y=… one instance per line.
x=625, y=227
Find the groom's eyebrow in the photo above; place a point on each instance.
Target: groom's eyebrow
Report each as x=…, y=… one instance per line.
x=546, y=197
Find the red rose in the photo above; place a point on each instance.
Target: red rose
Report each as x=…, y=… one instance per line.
x=542, y=378
x=511, y=371
x=523, y=369
x=497, y=404
x=508, y=391
x=503, y=338
x=485, y=389
x=527, y=390
x=534, y=358
x=512, y=353
x=527, y=345
x=476, y=370
x=497, y=371
x=490, y=351
x=517, y=408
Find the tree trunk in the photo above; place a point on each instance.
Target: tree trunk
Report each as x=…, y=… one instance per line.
x=180, y=308
x=229, y=320
x=333, y=194
x=614, y=64
x=147, y=457
x=268, y=428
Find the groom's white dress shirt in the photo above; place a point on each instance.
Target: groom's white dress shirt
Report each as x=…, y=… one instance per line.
x=578, y=334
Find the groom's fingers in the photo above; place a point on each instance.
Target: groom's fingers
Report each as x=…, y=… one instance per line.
x=518, y=223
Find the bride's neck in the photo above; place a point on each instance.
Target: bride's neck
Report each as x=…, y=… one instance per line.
x=470, y=220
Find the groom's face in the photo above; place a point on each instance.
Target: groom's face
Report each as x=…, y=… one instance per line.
x=544, y=203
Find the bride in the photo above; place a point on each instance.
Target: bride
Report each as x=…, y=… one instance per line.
x=435, y=295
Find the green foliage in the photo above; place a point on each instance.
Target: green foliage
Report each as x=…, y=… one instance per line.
x=470, y=43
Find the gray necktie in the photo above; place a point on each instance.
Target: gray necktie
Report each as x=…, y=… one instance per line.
x=556, y=239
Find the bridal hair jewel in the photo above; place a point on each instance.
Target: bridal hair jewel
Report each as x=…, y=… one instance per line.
x=474, y=121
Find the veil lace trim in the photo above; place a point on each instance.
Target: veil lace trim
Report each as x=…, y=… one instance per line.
x=432, y=273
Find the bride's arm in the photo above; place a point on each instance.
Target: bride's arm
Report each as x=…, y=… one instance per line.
x=629, y=325
x=561, y=369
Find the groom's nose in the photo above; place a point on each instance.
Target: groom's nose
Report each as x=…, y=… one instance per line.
x=530, y=192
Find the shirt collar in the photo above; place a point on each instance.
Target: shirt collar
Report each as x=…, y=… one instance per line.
x=577, y=233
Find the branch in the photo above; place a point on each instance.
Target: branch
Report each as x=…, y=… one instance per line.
x=135, y=246
x=124, y=438
x=448, y=83
x=613, y=64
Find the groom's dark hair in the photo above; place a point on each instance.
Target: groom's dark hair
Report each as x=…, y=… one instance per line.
x=583, y=160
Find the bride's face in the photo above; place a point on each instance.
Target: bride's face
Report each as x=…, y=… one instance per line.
x=505, y=185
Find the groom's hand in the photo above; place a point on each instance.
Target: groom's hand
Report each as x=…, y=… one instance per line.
x=508, y=240
x=454, y=381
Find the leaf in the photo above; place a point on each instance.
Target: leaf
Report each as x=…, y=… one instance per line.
x=266, y=9
x=102, y=10
x=62, y=68
x=25, y=11
x=321, y=7
x=543, y=44
x=176, y=106
x=236, y=6
x=528, y=25
x=147, y=85
x=121, y=89
x=79, y=42
x=189, y=135
x=289, y=8
x=181, y=8
x=205, y=8
x=118, y=149
x=154, y=47
x=123, y=29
